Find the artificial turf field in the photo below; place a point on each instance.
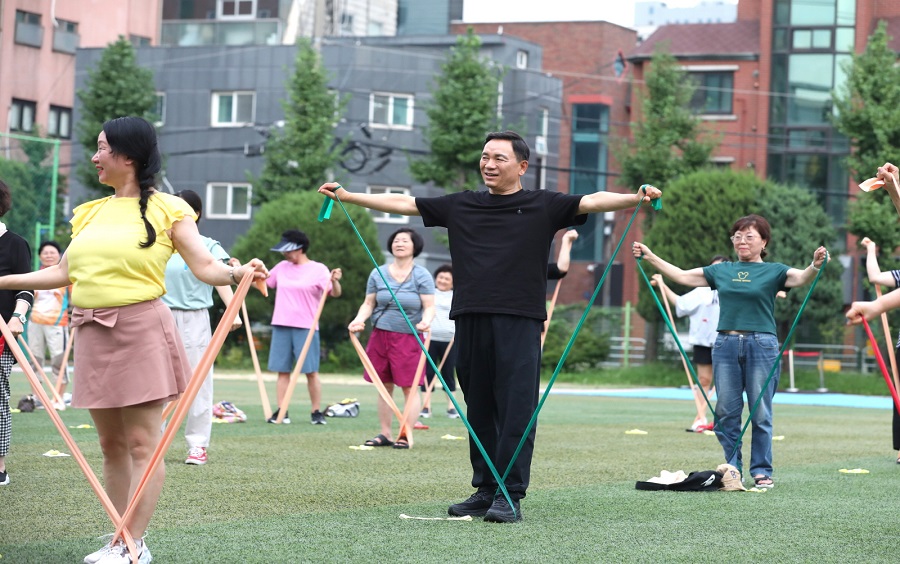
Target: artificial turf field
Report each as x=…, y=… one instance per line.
x=298, y=493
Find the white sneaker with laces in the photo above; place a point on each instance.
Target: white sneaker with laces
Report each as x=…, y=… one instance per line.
x=120, y=551
x=118, y=554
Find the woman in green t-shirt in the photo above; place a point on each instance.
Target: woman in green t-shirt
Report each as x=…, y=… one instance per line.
x=746, y=347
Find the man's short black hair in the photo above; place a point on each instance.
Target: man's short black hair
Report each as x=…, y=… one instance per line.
x=520, y=147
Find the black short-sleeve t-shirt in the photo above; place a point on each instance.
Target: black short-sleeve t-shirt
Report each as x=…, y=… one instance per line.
x=500, y=246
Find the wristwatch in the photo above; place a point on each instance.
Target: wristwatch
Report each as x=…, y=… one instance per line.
x=20, y=317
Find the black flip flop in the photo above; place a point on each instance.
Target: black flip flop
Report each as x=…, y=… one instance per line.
x=379, y=441
x=401, y=444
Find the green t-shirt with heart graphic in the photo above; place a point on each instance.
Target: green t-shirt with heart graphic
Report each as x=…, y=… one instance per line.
x=747, y=294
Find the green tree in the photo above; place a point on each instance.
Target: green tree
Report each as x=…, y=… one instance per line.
x=117, y=86
x=300, y=156
x=332, y=243
x=463, y=110
x=868, y=112
x=667, y=142
x=799, y=226
x=693, y=226
x=30, y=184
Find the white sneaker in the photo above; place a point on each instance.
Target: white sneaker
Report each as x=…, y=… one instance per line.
x=118, y=554
x=197, y=455
x=97, y=554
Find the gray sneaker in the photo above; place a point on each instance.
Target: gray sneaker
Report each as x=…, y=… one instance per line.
x=452, y=413
x=317, y=418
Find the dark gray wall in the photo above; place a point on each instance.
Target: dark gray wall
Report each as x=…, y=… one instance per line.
x=196, y=153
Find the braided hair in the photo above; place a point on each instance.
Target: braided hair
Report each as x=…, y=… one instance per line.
x=135, y=138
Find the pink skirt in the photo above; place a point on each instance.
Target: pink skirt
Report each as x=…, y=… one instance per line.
x=127, y=355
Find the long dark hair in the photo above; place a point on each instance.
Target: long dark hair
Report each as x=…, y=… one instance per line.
x=135, y=138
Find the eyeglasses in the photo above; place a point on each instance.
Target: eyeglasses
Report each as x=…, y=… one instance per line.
x=737, y=238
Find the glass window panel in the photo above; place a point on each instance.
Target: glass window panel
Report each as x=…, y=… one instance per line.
x=380, y=109
x=802, y=39
x=226, y=104
x=588, y=117
x=28, y=117
x=240, y=200
x=846, y=12
x=810, y=84
x=219, y=198
x=65, y=124
x=782, y=12
x=401, y=111
x=53, y=123
x=15, y=116
x=821, y=39
x=245, y=8
x=815, y=12
x=845, y=37
x=227, y=8
x=244, y=108
x=779, y=39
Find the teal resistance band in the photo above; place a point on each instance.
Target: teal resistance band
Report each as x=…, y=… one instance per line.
x=787, y=340
x=657, y=205
x=324, y=214
x=675, y=336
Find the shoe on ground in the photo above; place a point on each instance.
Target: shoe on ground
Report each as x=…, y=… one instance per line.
x=286, y=420
x=704, y=428
x=4, y=478
x=118, y=554
x=197, y=455
x=452, y=413
x=317, y=418
x=420, y=425
x=700, y=422
x=477, y=504
x=425, y=413
x=763, y=482
x=501, y=512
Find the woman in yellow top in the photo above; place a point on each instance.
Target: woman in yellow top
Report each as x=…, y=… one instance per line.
x=130, y=357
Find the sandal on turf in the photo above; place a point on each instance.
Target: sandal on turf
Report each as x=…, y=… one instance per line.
x=763, y=482
x=379, y=441
x=401, y=443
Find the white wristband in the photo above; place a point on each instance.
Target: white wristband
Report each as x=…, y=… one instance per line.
x=231, y=273
x=813, y=265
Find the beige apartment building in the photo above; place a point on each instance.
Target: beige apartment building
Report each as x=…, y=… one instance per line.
x=38, y=39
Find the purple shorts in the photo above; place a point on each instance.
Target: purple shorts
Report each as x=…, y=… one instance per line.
x=394, y=356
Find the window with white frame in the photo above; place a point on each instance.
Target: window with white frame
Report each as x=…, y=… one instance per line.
x=59, y=122
x=159, y=111
x=21, y=115
x=384, y=217
x=230, y=109
x=521, y=59
x=228, y=200
x=391, y=110
x=236, y=9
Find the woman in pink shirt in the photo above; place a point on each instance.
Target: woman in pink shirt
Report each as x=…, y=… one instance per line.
x=299, y=283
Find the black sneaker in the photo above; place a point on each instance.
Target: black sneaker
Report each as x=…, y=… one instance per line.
x=501, y=512
x=477, y=504
x=317, y=418
x=274, y=418
x=4, y=478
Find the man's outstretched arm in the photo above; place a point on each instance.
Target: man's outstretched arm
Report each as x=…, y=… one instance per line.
x=389, y=203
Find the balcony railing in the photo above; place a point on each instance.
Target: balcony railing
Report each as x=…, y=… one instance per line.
x=186, y=33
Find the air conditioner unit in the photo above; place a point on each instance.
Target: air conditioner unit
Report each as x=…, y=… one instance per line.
x=540, y=145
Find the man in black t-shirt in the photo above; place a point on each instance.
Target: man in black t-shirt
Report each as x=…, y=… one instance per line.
x=500, y=245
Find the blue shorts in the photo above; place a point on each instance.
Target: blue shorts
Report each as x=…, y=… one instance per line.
x=287, y=342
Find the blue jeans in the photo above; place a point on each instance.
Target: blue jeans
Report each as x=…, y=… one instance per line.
x=741, y=363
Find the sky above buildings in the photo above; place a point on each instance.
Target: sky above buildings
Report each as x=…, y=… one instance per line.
x=616, y=11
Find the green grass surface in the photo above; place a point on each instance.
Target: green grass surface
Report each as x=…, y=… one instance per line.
x=297, y=493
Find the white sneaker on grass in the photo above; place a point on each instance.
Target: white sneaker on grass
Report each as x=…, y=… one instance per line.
x=118, y=554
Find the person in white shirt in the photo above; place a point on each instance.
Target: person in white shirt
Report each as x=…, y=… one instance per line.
x=702, y=305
